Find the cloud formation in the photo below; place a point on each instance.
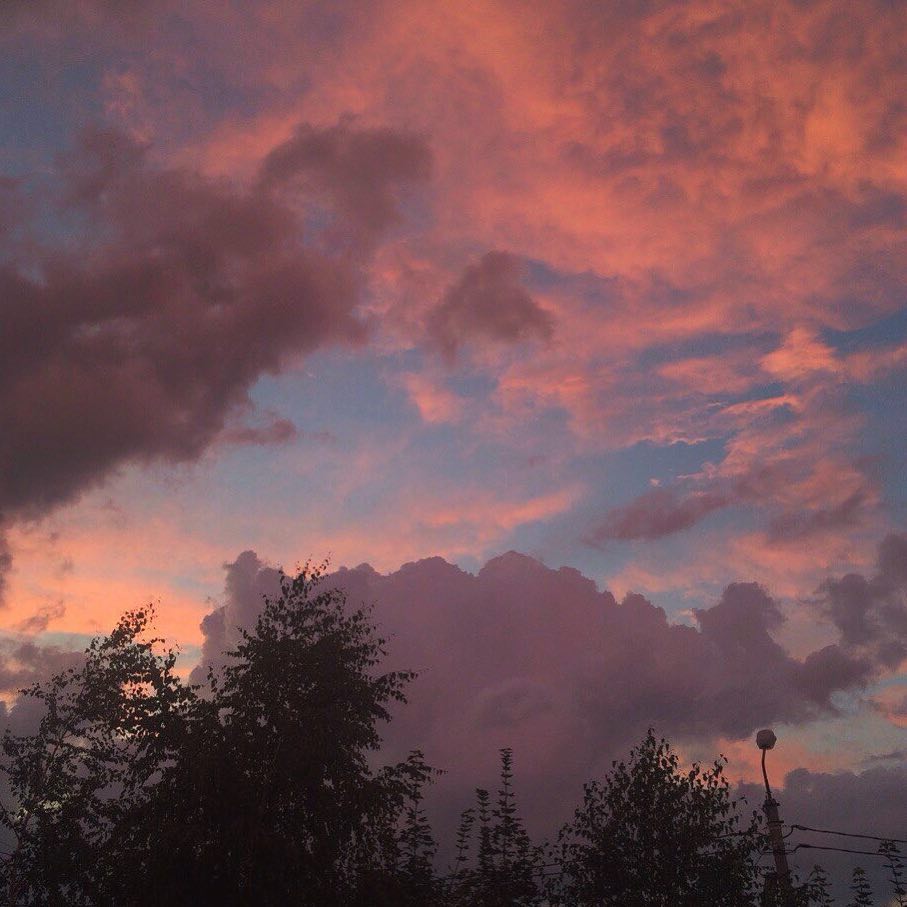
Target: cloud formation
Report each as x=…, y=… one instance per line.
x=703, y=208
x=278, y=431
x=360, y=170
x=520, y=654
x=136, y=337
x=658, y=513
x=871, y=612
x=488, y=302
x=6, y=561
x=24, y=662
x=708, y=203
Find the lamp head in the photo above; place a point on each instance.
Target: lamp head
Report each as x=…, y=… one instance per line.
x=766, y=739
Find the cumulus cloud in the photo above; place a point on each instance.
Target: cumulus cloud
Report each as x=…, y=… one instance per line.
x=249, y=582
x=139, y=335
x=488, y=302
x=520, y=654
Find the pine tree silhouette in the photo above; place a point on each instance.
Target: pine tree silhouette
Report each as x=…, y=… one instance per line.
x=862, y=892
x=895, y=868
x=817, y=888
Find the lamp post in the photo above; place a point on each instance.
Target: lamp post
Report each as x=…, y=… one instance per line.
x=766, y=740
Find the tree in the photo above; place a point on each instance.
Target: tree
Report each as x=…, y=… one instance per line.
x=416, y=849
x=816, y=888
x=862, y=892
x=138, y=790
x=895, y=867
x=651, y=834
x=508, y=869
x=105, y=729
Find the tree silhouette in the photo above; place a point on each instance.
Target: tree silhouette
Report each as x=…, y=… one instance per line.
x=895, y=867
x=105, y=730
x=417, y=881
x=509, y=866
x=136, y=789
x=816, y=889
x=862, y=892
x=651, y=834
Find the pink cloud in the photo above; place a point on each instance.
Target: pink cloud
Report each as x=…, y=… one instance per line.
x=433, y=400
x=523, y=655
x=871, y=612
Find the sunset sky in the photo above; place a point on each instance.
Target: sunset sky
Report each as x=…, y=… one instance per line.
x=618, y=286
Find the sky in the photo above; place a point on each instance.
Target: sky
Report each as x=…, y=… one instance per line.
x=582, y=325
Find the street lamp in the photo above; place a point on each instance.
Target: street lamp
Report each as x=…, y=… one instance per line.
x=766, y=740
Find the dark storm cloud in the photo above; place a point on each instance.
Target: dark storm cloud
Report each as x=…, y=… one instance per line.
x=488, y=302
x=871, y=612
x=539, y=659
x=136, y=335
x=6, y=561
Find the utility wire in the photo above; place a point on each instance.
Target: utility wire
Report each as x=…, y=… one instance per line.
x=848, y=834
x=870, y=853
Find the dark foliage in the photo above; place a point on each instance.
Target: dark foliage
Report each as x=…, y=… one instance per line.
x=136, y=789
x=650, y=834
x=817, y=888
x=508, y=867
x=861, y=890
x=895, y=867
x=105, y=734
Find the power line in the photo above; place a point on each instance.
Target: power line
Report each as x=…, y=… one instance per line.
x=848, y=834
x=870, y=853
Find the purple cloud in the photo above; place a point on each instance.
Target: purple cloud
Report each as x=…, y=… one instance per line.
x=800, y=524
x=279, y=431
x=359, y=170
x=136, y=337
x=488, y=302
x=24, y=662
x=871, y=612
x=658, y=513
x=540, y=659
